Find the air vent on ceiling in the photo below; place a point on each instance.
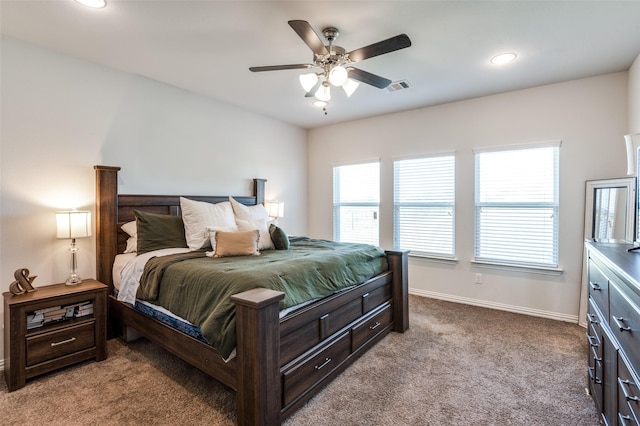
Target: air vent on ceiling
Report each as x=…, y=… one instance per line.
x=398, y=85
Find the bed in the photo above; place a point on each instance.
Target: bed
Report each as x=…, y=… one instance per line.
x=279, y=362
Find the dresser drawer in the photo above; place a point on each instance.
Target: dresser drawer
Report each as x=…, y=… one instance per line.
x=53, y=344
x=371, y=326
x=625, y=324
x=599, y=288
x=628, y=395
x=312, y=371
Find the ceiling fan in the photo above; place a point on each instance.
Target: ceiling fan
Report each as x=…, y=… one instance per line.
x=335, y=62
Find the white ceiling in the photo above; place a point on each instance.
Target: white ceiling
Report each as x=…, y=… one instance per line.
x=207, y=46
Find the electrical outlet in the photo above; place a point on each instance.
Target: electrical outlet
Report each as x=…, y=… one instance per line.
x=478, y=278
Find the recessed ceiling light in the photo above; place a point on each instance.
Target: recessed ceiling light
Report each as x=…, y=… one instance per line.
x=320, y=104
x=503, y=58
x=97, y=4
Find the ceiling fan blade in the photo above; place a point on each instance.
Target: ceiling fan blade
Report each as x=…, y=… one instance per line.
x=311, y=93
x=380, y=48
x=281, y=67
x=309, y=36
x=367, y=77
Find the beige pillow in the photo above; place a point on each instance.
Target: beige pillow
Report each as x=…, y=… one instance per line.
x=243, y=243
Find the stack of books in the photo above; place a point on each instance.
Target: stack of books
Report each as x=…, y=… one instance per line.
x=83, y=309
x=58, y=313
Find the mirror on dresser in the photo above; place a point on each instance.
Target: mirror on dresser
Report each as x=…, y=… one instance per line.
x=609, y=217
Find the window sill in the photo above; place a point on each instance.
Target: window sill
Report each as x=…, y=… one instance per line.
x=433, y=258
x=513, y=267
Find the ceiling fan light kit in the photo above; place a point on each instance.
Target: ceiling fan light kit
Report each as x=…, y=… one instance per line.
x=335, y=63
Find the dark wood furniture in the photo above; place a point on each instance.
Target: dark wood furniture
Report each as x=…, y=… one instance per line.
x=280, y=363
x=613, y=334
x=31, y=352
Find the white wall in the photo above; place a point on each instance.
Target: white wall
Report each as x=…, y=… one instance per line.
x=61, y=116
x=588, y=115
x=634, y=97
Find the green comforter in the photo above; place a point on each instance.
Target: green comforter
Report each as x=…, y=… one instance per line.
x=199, y=288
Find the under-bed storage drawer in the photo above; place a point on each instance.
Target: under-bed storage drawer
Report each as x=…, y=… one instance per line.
x=53, y=344
x=371, y=326
x=308, y=373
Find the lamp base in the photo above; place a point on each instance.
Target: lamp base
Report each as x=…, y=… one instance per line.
x=74, y=279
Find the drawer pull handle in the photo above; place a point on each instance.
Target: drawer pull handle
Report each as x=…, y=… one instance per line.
x=374, y=326
x=593, y=376
x=365, y=295
x=593, y=319
x=589, y=338
x=595, y=286
x=62, y=342
x=623, y=419
x=326, y=361
x=623, y=386
x=620, y=324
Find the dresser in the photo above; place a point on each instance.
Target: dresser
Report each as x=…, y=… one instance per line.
x=613, y=332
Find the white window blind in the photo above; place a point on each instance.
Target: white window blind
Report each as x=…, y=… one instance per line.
x=424, y=205
x=516, y=203
x=356, y=203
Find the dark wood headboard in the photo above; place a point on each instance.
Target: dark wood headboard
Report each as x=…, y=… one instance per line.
x=114, y=210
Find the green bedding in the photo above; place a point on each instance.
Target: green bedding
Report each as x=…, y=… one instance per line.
x=199, y=288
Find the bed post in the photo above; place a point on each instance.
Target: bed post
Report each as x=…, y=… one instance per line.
x=398, y=264
x=258, y=356
x=258, y=190
x=106, y=220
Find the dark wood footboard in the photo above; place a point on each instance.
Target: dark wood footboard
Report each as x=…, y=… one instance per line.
x=280, y=363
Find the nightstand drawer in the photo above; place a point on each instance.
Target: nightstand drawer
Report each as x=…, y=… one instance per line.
x=53, y=344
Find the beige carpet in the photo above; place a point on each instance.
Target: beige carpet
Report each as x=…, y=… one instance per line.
x=457, y=365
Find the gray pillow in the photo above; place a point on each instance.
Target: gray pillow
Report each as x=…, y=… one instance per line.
x=159, y=231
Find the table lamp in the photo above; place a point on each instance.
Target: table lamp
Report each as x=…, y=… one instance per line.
x=73, y=224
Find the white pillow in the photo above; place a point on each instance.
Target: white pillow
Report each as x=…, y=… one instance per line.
x=243, y=212
x=198, y=216
x=132, y=242
x=262, y=225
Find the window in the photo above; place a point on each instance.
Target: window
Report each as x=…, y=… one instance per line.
x=516, y=205
x=356, y=203
x=424, y=205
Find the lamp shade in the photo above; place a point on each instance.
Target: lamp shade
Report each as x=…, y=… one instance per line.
x=73, y=224
x=338, y=75
x=307, y=81
x=324, y=92
x=275, y=208
x=350, y=86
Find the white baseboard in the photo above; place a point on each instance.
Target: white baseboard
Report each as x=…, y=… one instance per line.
x=494, y=305
x=1, y=364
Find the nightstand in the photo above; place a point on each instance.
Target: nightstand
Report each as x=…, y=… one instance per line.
x=53, y=327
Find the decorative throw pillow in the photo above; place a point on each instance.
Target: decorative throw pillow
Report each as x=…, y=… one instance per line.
x=158, y=231
x=262, y=226
x=212, y=236
x=279, y=237
x=241, y=243
x=132, y=241
x=198, y=215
